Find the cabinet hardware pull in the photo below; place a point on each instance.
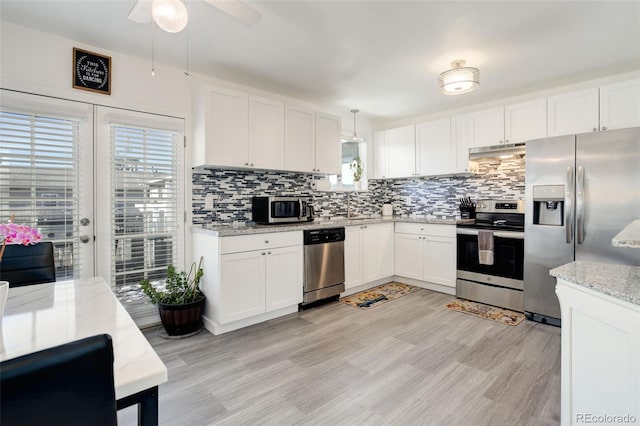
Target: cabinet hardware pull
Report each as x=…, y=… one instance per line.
x=595, y=129
x=263, y=253
x=246, y=164
x=604, y=128
x=268, y=252
x=266, y=241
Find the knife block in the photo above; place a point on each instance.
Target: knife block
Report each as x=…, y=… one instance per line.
x=467, y=212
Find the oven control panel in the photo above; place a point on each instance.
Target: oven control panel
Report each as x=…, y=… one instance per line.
x=500, y=206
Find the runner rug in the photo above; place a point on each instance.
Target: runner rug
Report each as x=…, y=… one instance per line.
x=378, y=295
x=501, y=315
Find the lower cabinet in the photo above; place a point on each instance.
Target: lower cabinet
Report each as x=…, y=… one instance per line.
x=249, y=279
x=368, y=251
x=426, y=252
x=600, y=372
x=259, y=281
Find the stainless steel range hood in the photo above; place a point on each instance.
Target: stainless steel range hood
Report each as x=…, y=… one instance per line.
x=497, y=151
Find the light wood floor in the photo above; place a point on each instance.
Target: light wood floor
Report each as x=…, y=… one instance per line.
x=406, y=362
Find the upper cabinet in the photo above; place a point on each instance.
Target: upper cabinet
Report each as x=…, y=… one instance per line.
x=525, y=121
x=486, y=127
x=379, y=155
x=574, y=112
x=400, y=148
x=620, y=105
x=266, y=133
x=222, y=128
x=239, y=130
x=509, y=124
x=435, y=149
x=299, y=135
x=327, y=144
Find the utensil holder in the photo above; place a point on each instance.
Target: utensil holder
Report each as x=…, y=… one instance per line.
x=467, y=212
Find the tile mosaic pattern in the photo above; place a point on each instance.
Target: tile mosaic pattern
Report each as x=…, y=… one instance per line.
x=434, y=196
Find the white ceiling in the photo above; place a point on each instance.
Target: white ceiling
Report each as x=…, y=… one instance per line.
x=382, y=57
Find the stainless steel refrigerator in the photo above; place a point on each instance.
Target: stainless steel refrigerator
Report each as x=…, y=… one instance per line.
x=581, y=190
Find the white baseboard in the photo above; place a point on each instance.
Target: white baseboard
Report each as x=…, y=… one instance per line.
x=217, y=329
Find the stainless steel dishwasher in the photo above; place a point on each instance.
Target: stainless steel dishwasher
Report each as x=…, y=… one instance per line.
x=323, y=264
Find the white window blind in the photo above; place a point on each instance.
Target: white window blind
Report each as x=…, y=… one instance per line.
x=146, y=216
x=39, y=182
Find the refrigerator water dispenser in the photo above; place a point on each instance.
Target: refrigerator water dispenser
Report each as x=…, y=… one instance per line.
x=548, y=205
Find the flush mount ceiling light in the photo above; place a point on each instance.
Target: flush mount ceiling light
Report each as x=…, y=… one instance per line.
x=354, y=137
x=459, y=79
x=170, y=15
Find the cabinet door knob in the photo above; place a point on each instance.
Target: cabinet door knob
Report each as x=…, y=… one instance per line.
x=506, y=141
x=251, y=164
x=266, y=241
x=604, y=128
x=268, y=252
x=595, y=129
x=263, y=253
x=246, y=164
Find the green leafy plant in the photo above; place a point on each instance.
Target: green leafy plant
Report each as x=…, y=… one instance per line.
x=181, y=287
x=356, y=168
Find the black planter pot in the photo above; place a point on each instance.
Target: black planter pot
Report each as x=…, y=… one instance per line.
x=179, y=320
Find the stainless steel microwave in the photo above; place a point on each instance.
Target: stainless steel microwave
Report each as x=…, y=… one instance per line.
x=274, y=210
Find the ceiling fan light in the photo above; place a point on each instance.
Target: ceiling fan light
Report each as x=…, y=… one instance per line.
x=459, y=79
x=170, y=15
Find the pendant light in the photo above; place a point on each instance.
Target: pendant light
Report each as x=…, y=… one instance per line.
x=170, y=15
x=459, y=79
x=354, y=137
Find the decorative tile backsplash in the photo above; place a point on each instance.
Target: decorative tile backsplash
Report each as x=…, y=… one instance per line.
x=437, y=196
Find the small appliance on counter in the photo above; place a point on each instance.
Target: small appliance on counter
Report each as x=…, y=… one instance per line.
x=278, y=209
x=467, y=208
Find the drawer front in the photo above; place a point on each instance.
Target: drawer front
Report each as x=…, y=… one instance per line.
x=241, y=243
x=435, y=230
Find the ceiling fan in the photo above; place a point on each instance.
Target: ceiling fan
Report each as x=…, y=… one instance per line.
x=171, y=15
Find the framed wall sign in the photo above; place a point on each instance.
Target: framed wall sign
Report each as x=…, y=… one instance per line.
x=91, y=71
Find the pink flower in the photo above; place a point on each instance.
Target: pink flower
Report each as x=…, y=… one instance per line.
x=19, y=234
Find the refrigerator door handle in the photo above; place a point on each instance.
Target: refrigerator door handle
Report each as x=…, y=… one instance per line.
x=580, y=205
x=568, y=211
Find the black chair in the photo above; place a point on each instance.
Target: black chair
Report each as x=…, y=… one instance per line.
x=70, y=384
x=26, y=265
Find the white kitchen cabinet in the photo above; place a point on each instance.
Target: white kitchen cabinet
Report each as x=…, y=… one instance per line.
x=401, y=151
x=328, y=154
x=574, y=112
x=620, y=105
x=243, y=293
x=368, y=253
x=460, y=140
x=266, y=133
x=222, y=128
x=486, y=127
x=525, y=121
x=426, y=252
x=249, y=278
x=435, y=149
x=379, y=155
x=299, y=135
x=600, y=355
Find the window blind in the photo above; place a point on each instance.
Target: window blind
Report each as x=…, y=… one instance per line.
x=146, y=216
x=39, y=181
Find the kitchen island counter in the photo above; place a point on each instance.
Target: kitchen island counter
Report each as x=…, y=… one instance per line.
x=230, y=230
x=619, y=281
x=629, y=236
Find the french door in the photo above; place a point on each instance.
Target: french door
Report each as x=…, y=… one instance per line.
x=46, y=175
x=105, y=185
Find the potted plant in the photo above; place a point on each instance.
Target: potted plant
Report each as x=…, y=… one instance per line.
x=181, y=302
x=356, y=168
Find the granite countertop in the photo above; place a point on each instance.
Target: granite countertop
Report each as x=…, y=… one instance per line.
x=619, y=281
x=230, y=230
x=629, y=236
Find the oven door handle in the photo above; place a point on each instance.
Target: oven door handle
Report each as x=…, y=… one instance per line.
x=514, y=235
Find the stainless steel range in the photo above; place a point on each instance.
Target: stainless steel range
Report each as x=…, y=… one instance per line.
x=490, y=255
